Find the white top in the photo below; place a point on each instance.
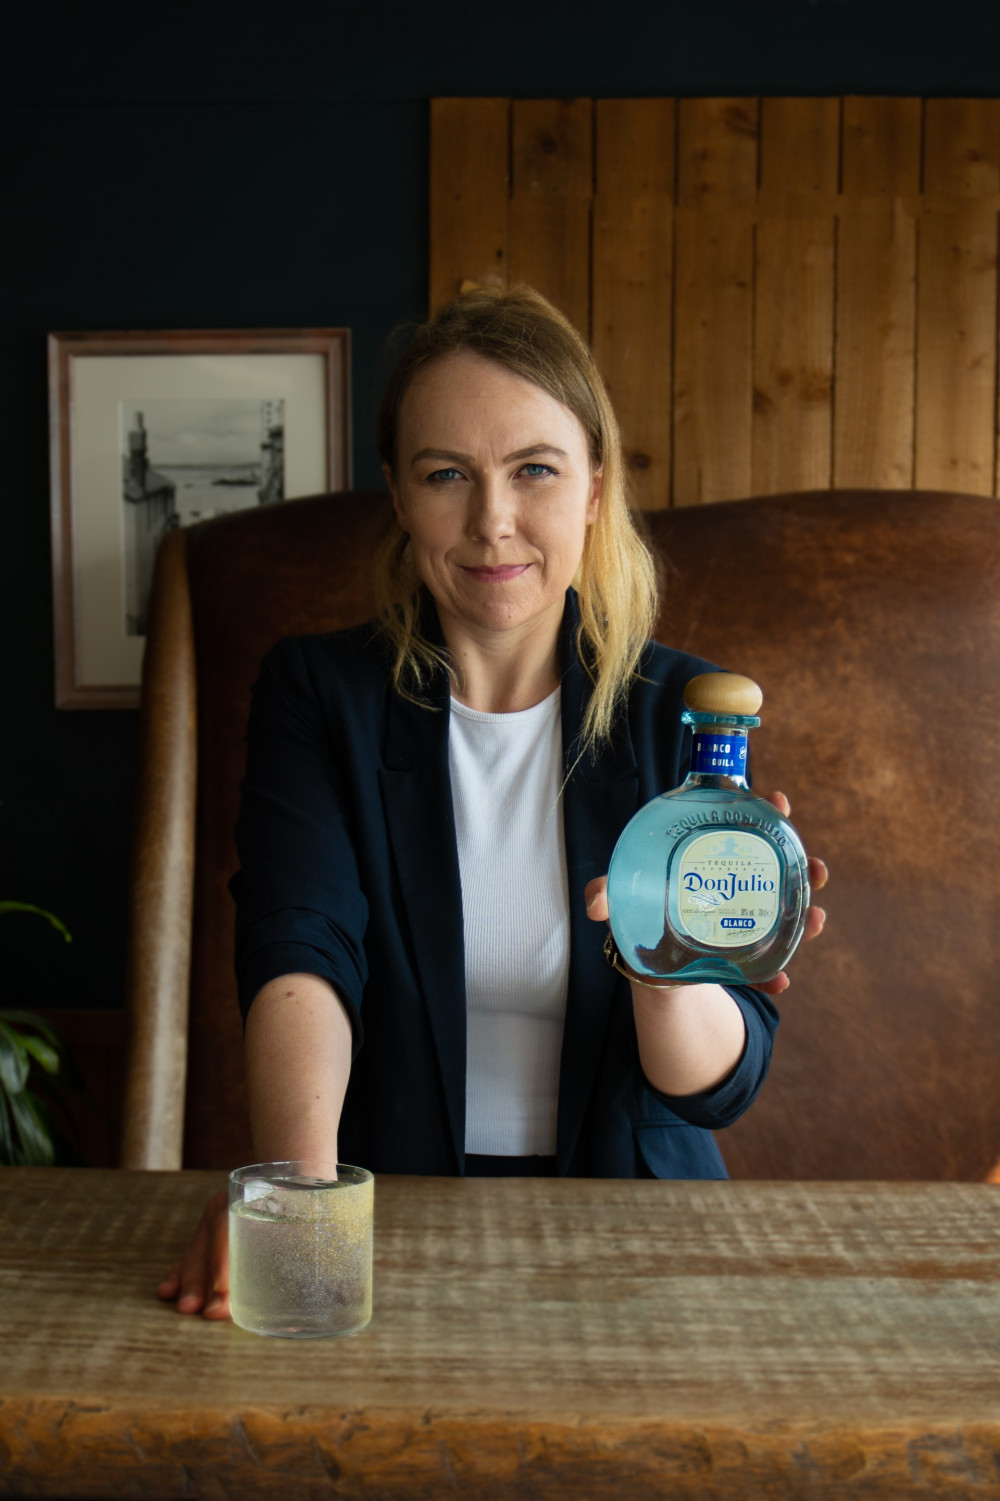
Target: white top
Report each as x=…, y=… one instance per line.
x=506, y=772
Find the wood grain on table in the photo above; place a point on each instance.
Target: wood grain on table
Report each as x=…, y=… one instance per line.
x=531, y=1337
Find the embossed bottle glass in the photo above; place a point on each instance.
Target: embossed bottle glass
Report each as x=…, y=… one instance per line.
x=709, y=882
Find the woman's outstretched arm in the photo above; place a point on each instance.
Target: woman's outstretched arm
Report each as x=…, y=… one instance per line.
x=298, y=1061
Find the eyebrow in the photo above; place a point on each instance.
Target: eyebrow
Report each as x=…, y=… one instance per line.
x=466, y=458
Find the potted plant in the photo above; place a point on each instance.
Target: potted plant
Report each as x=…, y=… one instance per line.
x=30, y=1053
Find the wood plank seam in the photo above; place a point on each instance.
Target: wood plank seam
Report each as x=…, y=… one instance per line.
x=919, y=161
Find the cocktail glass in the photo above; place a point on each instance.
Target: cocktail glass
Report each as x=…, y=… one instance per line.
x=300, y=1249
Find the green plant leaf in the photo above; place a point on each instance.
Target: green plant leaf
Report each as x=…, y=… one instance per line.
x=6, y=1136
x=37, y=1023
x=30, y=1133
x=59, y=1122
x=39, y=912
x=43, y=1053
x=14, y=1060
x=43, y=1115
x=36, y=1142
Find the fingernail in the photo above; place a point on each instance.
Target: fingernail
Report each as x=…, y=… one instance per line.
x=213, y=1303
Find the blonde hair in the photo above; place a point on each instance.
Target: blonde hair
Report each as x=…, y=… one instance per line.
x=616, y=580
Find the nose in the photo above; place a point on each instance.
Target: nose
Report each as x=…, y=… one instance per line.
x=491, y=515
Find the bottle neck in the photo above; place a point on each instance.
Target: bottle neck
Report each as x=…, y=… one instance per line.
x=719, y=748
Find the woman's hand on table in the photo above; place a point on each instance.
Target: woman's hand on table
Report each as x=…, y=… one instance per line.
x=198, y=1281
x=298, y=1060
x=595, y=895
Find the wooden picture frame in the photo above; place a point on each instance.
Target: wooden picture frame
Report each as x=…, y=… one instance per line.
x=150, y=430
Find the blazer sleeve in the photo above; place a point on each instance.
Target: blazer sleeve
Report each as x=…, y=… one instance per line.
x=299, y=902
x=724, y=1104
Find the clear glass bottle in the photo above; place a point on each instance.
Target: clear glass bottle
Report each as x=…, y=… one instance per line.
x=709, y=882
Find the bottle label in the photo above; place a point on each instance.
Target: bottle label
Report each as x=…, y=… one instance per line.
x=728, y=888
x=725, y=754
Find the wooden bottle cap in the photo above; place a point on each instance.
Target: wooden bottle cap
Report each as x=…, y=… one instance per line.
x=723, y=693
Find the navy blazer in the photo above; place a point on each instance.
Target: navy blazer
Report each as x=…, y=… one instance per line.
x=349, y=870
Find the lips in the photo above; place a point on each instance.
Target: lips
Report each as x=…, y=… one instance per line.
x=499, y=575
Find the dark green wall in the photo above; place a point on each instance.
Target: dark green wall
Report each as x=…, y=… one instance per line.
x=265, y=165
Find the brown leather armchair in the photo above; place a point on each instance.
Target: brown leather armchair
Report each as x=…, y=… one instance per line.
x=872, y=621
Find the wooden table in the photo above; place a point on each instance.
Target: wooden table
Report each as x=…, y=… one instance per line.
x=538, y=1338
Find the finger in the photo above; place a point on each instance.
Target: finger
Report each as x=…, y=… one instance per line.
x=781, y=802
x=818, y=873
x=780, y=983
x=815, y=919
x=191, y=1297
x=595, y=894
x=217, y=1306
x=192, y=1293
x=170, y=1285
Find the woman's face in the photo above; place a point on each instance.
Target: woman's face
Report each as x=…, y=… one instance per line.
x=496, y=491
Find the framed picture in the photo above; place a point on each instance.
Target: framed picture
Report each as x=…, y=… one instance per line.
x=151, y=431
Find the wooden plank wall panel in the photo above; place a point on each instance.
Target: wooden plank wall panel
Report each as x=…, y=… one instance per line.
x=793, y=330
x=957, y=301
x=781, y=293
x=799, y=148
x=717, y=151
x=881, y=147
x=713, y=341
x=552, y=158
x=470, y=151
x=876, y=293
x=632, y=308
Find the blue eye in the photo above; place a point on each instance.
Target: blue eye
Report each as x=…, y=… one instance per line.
x=536, y=471
x=442, y=476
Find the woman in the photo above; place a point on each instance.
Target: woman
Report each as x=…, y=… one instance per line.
x=431, y=803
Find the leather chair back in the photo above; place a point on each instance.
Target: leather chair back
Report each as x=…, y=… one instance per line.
x=872, y=622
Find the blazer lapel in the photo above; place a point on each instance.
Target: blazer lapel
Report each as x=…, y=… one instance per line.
x=416, y=792
x=598, y=801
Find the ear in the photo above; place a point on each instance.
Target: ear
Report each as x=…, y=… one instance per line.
x=397, y=504
x=594, y=504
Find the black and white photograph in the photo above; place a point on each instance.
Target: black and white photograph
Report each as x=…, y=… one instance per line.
x=186, y=461
x=156, y=431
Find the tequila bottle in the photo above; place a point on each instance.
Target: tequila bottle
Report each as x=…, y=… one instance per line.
x=709, y=882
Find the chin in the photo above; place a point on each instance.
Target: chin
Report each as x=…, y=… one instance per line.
x=500, y=617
